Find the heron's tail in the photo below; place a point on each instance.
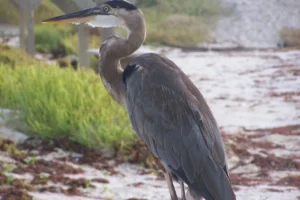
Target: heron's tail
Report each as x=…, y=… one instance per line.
x=212, y=184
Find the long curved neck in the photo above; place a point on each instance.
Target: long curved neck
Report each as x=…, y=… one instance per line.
x=116, y=48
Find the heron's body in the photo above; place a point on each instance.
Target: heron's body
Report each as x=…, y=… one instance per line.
x=173, y=119
x=166, y=109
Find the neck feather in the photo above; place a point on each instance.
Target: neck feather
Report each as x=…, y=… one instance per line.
x=116, y=48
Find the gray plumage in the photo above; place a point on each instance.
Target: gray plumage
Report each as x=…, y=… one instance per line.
x=166, y=109
x=168, y=112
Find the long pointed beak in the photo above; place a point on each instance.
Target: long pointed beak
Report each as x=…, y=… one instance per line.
x=76, y=17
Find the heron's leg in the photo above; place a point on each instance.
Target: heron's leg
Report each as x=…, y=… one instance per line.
x=171, y=187
x=182, y=190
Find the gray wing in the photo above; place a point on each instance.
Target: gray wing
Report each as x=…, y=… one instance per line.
x=168, y=112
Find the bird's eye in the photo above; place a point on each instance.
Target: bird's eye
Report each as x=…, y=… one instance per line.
x=106, y=8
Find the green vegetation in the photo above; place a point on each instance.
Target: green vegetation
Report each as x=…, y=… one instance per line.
x=291, y=37
x=56, y=103
x=10, y=179
x=175, y=30
x=15, y=57
x=8, y=167
x=179, y=23
x=11, y=148
x=50, y=39
x=29, y=160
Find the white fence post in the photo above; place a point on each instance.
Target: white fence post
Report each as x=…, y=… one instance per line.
x=83, y=45
x=83, y=35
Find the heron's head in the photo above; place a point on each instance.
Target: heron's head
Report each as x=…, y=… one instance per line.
x=112, y=13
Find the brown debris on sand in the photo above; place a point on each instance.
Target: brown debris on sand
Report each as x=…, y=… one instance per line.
x=289, y=181
x=15, y=189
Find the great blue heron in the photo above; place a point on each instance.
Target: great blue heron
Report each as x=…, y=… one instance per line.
x=166, y=109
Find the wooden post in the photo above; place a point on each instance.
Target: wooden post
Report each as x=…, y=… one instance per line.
x=26, y=21
x=83, y=35
x=22, y=23
x=30, y=31
x=83, y=45
x=22, y=27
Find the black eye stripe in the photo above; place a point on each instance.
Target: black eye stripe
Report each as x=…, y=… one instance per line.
x=121, y=4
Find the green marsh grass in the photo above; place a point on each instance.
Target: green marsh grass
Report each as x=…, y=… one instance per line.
x=178, y=23
x=15, y=57
x=56, y=103
x=50, y=39
x=175, y=30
